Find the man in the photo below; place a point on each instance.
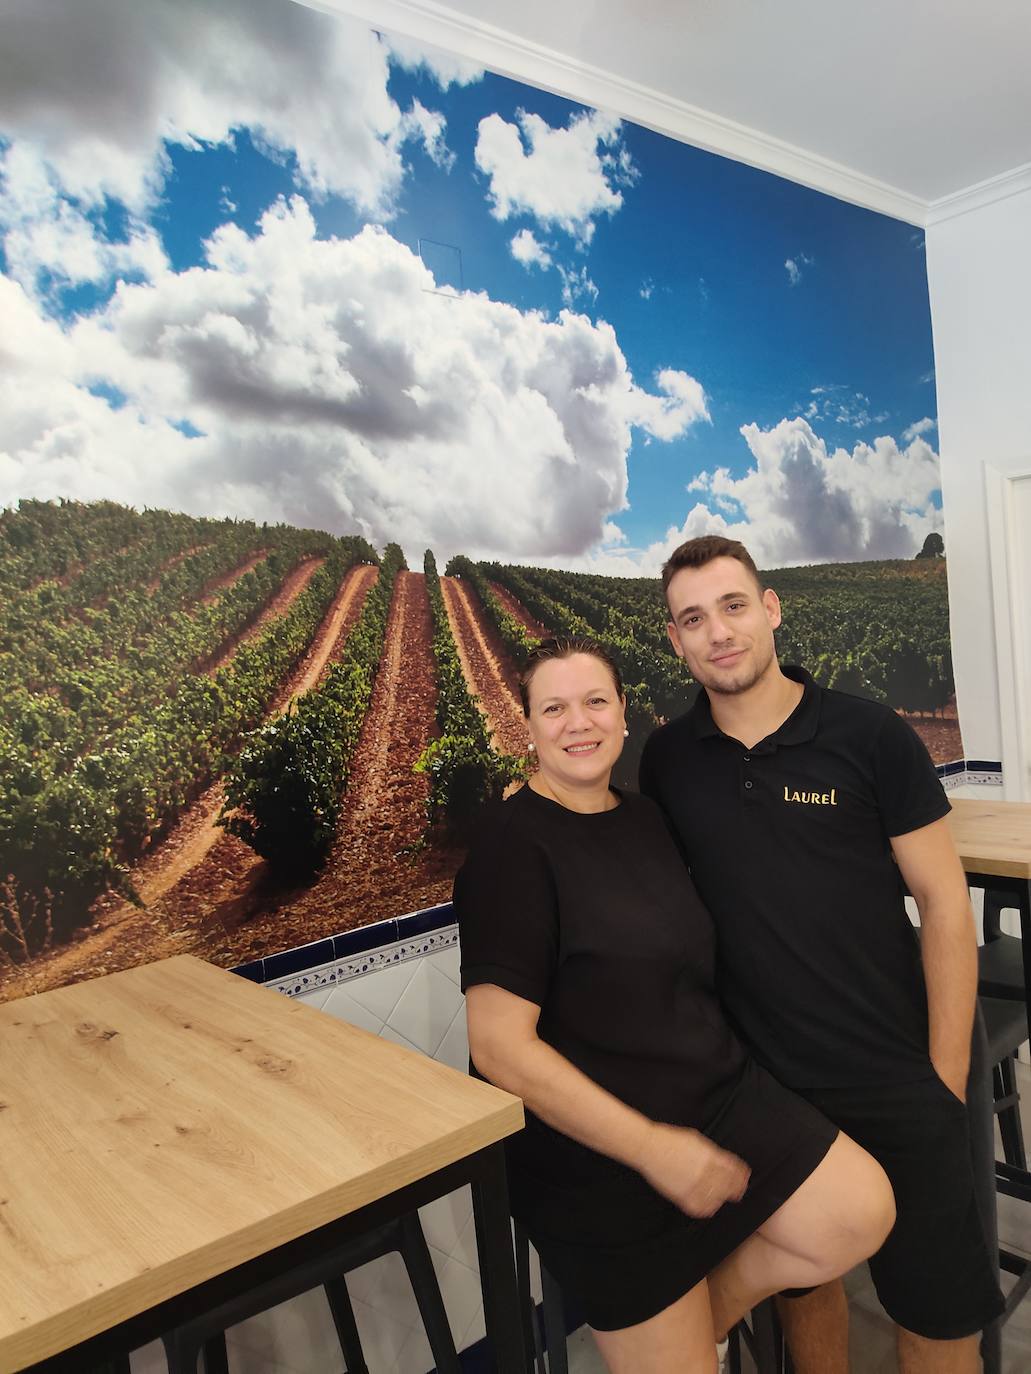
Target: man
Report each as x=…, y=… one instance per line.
x=801, y=812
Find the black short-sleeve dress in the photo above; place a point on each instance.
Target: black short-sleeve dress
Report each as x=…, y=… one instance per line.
x=595, y=919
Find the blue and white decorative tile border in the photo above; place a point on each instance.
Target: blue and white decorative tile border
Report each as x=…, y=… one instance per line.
x=979, y=771
x=330, y=962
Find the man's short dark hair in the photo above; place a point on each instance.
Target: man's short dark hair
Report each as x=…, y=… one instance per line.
x=696, y=553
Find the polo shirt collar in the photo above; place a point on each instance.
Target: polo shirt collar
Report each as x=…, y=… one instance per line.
x=799, y=728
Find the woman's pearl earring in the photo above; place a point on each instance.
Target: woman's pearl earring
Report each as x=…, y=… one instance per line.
x=531, y=747
x=626, y=733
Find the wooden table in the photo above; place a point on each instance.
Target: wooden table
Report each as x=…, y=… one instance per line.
x=993, y=838
x=994, y=843
x=173, y=1134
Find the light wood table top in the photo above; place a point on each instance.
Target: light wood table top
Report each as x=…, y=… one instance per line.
x=160, y=1126
x=993, y=837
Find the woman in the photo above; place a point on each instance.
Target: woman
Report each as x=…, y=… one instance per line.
x=655, y=1152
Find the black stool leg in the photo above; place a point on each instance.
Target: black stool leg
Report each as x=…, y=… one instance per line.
x=416, y=1255
x=734, y=1351
x=767, y=1338
x=497, y=1262
x=216, y=1358
x=339, y=1300
x=1007, y=1105
x=982, y=1151
x=181, y=1353
x=533, y=1330
x=554, y=1324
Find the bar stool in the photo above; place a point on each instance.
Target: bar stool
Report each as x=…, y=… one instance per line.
x=762, y=1337
x=206, y=1332
x=1000, y=1030
x=1001, y=957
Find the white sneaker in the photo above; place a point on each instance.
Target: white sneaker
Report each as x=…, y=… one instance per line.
x=722, y=1349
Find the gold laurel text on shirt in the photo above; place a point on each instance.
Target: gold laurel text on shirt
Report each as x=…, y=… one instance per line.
x=812, y=798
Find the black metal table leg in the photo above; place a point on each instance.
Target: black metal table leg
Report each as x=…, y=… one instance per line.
x=497, y=1264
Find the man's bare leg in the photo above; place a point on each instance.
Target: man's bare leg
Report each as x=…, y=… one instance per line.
x=816, y=1329
x=918, y=1355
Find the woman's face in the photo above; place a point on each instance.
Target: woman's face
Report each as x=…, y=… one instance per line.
x=576, y=720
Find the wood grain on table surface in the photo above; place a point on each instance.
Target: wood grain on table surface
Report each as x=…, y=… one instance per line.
x=993, y=837
x=165, y=1124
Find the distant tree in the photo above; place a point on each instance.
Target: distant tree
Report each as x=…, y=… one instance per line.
x=934, y=547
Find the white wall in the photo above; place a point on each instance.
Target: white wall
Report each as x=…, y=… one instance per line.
x=979, y=275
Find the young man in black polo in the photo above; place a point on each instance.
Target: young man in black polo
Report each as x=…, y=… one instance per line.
x=801, y=811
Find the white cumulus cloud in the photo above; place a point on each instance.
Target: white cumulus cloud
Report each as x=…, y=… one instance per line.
x=51, y=243
x=447, y=69
x=913, y=431
x=803, y=503
x=101, y=89
x=563, y=177
x=527, y=249
x=331, y=386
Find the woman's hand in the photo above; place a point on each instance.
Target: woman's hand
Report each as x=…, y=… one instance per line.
x=690, y=1170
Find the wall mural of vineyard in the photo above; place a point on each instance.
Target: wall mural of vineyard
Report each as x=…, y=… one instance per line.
x=337, y=375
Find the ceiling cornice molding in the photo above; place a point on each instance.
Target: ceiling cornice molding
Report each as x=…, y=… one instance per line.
x=996, y=188
x=536, y=65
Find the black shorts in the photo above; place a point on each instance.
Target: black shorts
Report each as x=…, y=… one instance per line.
x=934, y=1274
x=620, y=1251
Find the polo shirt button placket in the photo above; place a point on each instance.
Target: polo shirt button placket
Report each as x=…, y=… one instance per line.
x=747, y=758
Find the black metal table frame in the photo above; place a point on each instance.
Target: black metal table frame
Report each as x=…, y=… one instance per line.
x=484, y=1170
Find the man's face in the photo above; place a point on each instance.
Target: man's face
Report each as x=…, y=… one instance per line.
x=722, y=625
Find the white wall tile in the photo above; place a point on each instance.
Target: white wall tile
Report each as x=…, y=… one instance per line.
x=444, y=1219
x=382, y=1338
x=449, y=962
x=363, y=1283
x=396, y=1038
x=465, y=1249
x=460, y=1289
x=392, y=1292
x=299, y=1334
x=316, y=997
x=416, y=1357
x=378, y=991
x=426, y=1008
x=341, y=1004
x=453, y=1050
x=476, y=1330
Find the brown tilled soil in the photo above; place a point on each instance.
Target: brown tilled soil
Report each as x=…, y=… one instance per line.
x=378, y=866
x=226, y=579
x=939, y=733
x=292, y=587
x=517, y=609
x=197, y=867
x=171, y=563
x=487, y=669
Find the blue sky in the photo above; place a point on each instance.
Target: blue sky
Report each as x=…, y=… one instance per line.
x=784, y=305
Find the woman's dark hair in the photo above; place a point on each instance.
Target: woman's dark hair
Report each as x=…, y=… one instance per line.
x=563, y=646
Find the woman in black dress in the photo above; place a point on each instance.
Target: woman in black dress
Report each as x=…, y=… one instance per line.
x=666, y=1180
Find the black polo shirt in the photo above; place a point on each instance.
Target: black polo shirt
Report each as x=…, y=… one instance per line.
x=789, y=846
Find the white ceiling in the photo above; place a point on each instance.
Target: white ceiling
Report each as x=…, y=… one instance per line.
x=897, y=104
